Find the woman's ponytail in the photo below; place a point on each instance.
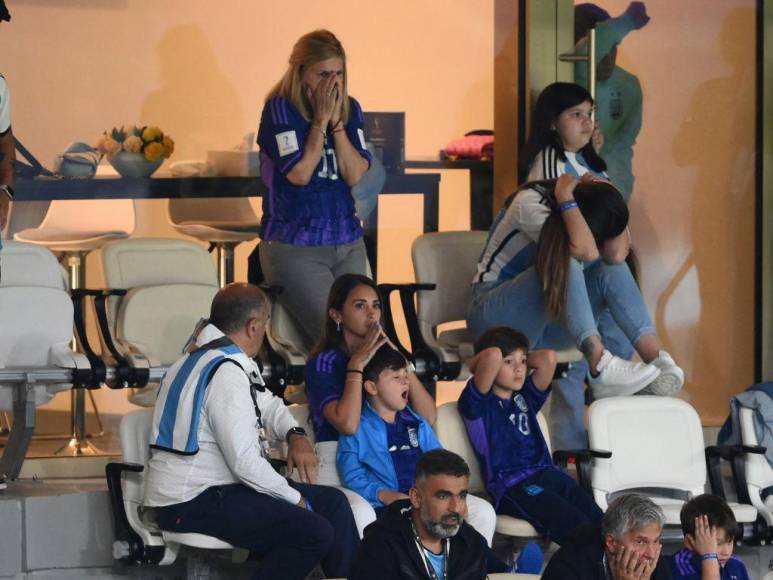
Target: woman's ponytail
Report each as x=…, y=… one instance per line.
x=552, y=265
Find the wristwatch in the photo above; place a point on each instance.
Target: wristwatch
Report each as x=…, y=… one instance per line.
x=294, y=431
x=8, y=190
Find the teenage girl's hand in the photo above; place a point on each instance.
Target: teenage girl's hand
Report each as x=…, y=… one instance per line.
x=323, y=100
x=565, y=188
x=374, y=340
x=597, y=138
x=704, y=540
x=638, y=12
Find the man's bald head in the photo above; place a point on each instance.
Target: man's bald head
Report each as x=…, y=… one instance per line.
x=235, y=304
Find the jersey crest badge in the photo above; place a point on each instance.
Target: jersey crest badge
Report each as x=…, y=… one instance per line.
x=287, y=142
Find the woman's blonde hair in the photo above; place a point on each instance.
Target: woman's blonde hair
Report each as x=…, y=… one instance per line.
x=606, y=214
x=310, y=49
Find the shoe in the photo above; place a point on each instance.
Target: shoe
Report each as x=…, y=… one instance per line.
x=618, y=377
x=2, y=483
x=529, y=561
x=669, y=381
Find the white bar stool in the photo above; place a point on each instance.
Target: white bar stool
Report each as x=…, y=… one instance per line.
x=72, y=229
x=225, y=223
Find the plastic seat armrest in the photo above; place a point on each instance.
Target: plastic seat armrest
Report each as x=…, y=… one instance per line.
x=734, y=454
x=582, y=463
x=428, y=363
x=98, y=368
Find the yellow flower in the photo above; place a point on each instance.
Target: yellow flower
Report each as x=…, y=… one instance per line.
x=152, y=134
x=154, y=151
x=168, y=146
x=108, y=146
x=132, y=144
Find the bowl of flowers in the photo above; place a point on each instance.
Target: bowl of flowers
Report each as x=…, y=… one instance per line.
x=135, y=151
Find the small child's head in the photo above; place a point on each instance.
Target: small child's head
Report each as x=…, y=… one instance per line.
x=719, y=516
x=514, y=347
x=385, y=380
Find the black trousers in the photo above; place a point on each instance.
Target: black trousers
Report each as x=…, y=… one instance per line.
x=553, y=503
x=290, y=540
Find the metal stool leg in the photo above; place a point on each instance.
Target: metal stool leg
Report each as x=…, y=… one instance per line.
x=78, y=443
x=225, y=262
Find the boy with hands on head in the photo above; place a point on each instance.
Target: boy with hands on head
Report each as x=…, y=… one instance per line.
x=499, y=406
x=709, y=528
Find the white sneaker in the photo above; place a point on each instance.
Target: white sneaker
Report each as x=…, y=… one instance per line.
x=618, y=377
x=670, y=380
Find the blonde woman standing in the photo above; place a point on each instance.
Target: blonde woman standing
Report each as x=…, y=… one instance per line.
x=312, y=150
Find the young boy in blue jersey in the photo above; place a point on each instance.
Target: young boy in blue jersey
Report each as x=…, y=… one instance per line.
x=499, y=406
x=384, y=474
x=709, y=529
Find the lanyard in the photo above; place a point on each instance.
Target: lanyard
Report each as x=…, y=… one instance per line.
x=427, y=564
x=265, y=447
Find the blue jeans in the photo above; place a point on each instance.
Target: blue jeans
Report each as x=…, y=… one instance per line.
x=602, y=300
x=289, y=539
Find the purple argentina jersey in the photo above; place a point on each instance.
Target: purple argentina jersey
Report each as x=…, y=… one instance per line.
x=505, y=435
x=325, y=378
x=320, y=213
x=686, y=565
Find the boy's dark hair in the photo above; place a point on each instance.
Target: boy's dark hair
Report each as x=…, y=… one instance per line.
x=719, y=513
x=504, y=338
x=385, y=358
x=440, y=462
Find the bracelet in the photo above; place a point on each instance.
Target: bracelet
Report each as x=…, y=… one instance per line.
x=336, y=128
x=321, y=130
x=8, y=190
x=359, y=372
x=567, y=205
x=710, y=556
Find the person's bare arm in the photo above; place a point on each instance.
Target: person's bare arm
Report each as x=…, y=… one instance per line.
x=485, y=366
x=616, y=250
x=581, y=243
x=344, y=413
x=543, y=363
x=421, y=401
x=351, y=165
x=322, y=102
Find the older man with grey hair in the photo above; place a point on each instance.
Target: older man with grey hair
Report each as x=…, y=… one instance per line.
x=627, y=547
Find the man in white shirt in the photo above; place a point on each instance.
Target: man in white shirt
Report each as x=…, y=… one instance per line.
x=7, y=143
x=209, y=472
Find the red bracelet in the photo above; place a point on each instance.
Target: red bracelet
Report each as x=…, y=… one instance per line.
x=339, y=129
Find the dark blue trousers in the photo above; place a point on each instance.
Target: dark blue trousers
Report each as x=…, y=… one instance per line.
x=553, y=503
x=289, y=540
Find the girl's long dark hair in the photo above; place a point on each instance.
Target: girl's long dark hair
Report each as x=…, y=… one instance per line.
x=606, y=214
x=339, y=292
x=552, y=101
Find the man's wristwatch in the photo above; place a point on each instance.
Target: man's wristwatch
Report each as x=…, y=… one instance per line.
x=8, y=190
x=295, y=431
